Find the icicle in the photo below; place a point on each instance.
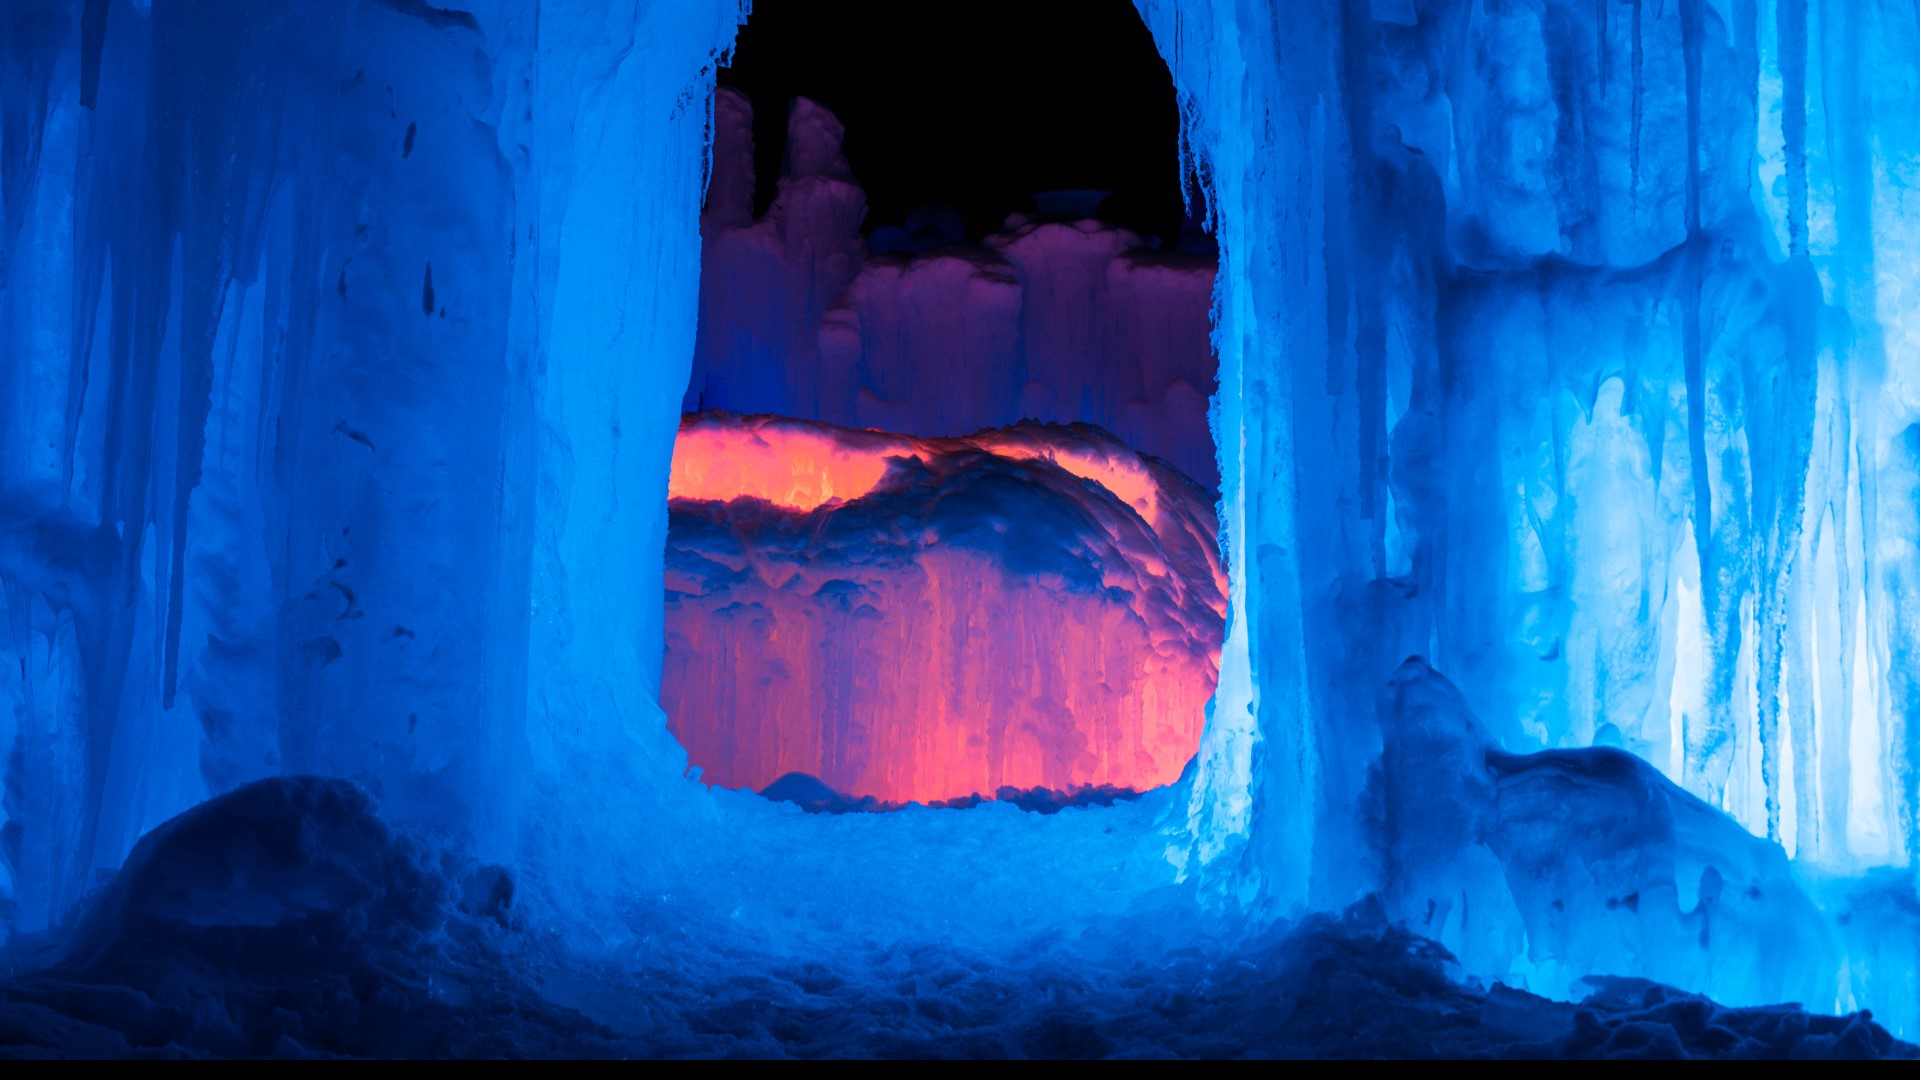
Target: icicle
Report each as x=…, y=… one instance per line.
x=1792, y=18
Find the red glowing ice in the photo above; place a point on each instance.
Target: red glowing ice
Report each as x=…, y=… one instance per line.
x=922, y=619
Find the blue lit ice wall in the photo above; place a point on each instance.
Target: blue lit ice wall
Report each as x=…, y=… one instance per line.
x=343, y=347
x=1570, y=345
x=1564, y=344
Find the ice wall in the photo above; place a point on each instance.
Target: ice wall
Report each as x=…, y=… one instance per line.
x=1543, y=869
x=338, y=343
x=1565, y=344
x=1050, y=319
x=923, y=620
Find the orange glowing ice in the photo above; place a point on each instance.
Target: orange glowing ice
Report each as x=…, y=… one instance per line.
x=993, y=620
x=794, y=466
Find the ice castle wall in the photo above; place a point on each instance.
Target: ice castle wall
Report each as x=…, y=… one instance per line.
x=343, y=343
x=1566, y=345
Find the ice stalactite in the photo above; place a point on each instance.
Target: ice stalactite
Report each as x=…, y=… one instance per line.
x=609, y=253
x=1258, y=800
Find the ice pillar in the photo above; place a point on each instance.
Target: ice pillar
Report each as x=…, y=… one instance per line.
x=1565, y=345
x=340, y=354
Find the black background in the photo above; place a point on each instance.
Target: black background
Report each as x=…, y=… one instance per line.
x=978, y=104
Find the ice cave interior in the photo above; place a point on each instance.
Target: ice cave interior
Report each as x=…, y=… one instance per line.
x=1424, y=571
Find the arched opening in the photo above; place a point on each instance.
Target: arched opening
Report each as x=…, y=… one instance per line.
x=339, y=402
x=942, y=516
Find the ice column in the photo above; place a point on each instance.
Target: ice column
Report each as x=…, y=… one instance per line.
x=340, y=355
x=1566, y=345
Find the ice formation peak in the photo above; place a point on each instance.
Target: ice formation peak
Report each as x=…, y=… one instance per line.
x=730, y=188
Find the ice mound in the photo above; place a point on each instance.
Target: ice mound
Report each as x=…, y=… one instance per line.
x=809, y=794
x=287, y=918
x=1563, y=864
x=304, y=860
x=931, y=619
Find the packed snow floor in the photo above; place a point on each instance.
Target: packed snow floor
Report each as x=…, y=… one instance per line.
x=288, y=919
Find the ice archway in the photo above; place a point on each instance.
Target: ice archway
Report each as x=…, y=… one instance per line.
x=1568, y=345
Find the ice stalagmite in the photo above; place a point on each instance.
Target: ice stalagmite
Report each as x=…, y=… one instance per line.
x=1052, y=317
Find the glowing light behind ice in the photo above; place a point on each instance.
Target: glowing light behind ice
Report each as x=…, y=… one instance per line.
x=793, y=466
x=926, y=619
x=1572, y=346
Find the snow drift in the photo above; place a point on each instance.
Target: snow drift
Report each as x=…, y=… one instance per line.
x=287, y=919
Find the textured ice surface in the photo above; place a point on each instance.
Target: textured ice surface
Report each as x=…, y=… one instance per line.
x=927, y=619
x=1571, y=346
x=1568, y=346
x=1542, y=869
x=1053, y=318
x=329, y=366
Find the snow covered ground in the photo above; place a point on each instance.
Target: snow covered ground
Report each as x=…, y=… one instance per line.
x=286, y=919
x=1569, y=347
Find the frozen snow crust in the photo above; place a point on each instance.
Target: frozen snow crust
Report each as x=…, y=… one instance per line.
x=287, y=919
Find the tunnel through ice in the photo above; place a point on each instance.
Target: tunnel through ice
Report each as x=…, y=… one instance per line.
x=975, y=602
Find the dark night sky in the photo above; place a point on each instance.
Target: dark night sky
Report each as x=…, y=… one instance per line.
x=974, y=103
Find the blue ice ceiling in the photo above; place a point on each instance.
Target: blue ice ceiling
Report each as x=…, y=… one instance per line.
x=1569, y=346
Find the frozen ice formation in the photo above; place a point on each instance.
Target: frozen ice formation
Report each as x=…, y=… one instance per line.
x=928, y=619
x=1570, y=346
x=1544, y=868
x=1052, y=318
x=1607, y=411
x=286, y=919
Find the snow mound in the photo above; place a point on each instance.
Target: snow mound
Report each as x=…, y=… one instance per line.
x=815, y=797
x=302, y=860
x=286, y=918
